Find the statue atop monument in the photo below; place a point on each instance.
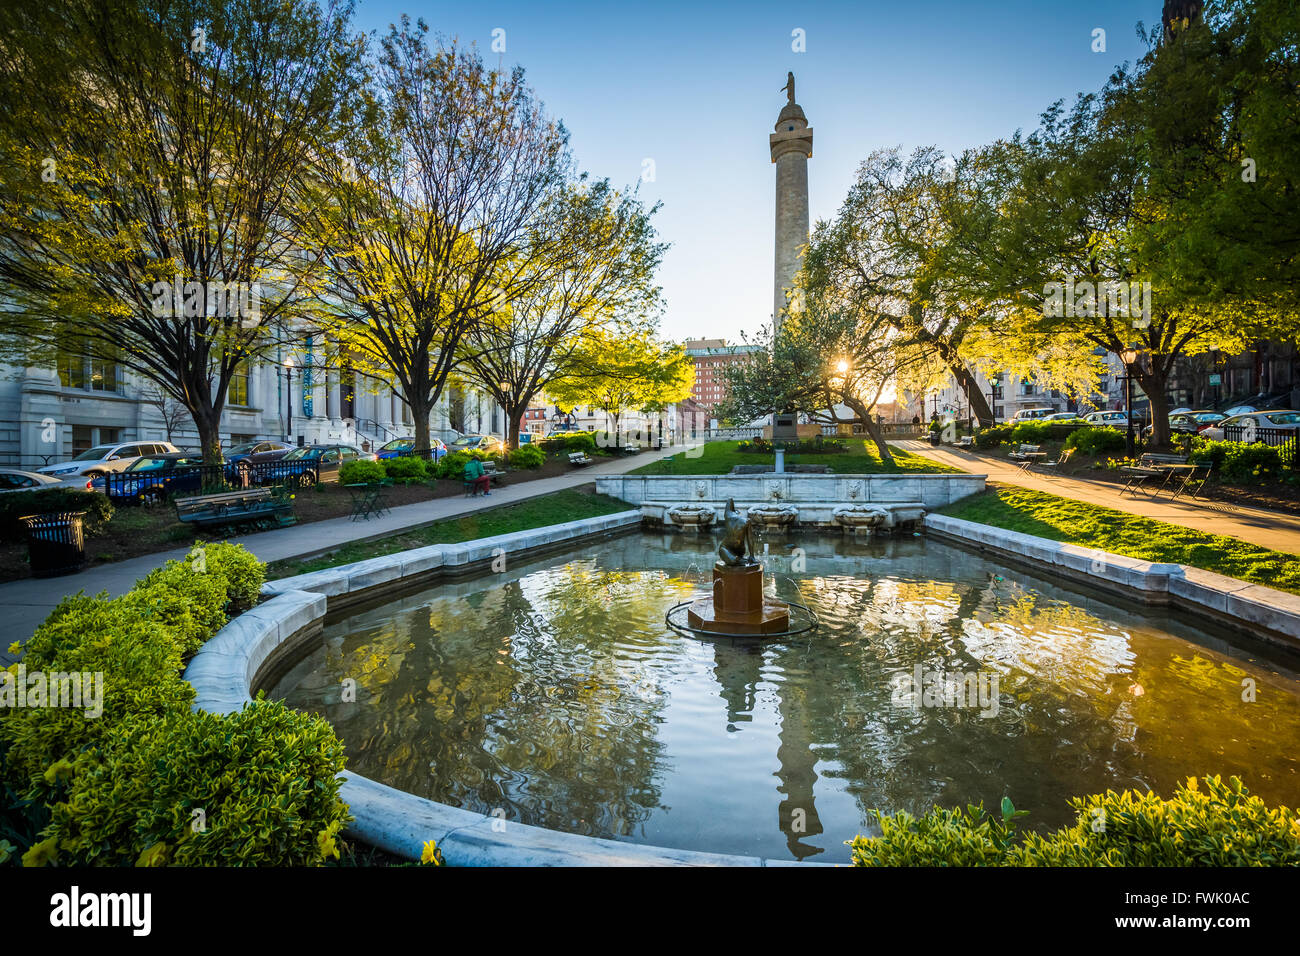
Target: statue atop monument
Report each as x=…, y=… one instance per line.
x=737, y=546
x=789, y=88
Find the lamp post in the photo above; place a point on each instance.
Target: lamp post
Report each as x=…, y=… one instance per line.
x=1128, y=357
x=288, y=399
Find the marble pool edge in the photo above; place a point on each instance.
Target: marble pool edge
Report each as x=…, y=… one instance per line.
x=226, y=669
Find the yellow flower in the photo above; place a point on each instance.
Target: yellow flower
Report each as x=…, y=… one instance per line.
x=155, y=855
x=432, y=854
x=60, y=770
x=329, y=848
x=16, y=647
x=44, y=853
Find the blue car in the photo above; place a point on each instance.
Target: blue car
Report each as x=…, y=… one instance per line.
x=151, y=478
x=401, y=447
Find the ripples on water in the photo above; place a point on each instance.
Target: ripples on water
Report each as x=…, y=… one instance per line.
x=554, y=694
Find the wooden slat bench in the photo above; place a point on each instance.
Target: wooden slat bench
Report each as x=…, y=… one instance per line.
x=233, y=507
x=492, y=471
x=579, y=458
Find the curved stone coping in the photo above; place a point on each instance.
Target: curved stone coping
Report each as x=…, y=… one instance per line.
x=1265, y=612
x=226, y=668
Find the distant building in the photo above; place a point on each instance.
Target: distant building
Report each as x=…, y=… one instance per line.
x=711, y=358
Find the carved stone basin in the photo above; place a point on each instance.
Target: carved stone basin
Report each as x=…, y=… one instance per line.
x=862, y=518
x=773, y=517
x=691, y=517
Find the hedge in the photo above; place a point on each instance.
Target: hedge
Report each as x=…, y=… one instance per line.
x=1239, y=463
x=408, y=468
x=568, y=441
x=1093, y=440
x=452, y=465
x=1222, y=825
x=16, y=504
x=527, y=456
x=361, y=472
x=148, y=781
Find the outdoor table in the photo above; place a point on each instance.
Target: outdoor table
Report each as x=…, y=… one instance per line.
x=1137, y=476
x=367, y=499
x=1174, y=470
x=1031, y=458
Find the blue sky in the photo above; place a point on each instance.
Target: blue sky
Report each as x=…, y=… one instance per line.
x=695, y=87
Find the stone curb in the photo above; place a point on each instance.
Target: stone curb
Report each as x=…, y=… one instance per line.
x=1266, y=613
x=225, y=670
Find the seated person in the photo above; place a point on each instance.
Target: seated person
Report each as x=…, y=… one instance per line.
x=474, y=473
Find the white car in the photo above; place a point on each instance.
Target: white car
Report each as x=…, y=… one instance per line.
x=102, y=459
x=15, y=479
x=1244, y=427
x=1113, y=418
x=1061, y=417
x=1031, y=415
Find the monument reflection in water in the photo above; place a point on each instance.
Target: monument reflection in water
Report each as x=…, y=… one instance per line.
x=552, y=694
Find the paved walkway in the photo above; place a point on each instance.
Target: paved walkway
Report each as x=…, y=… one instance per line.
x=1275, y=530
x=24, y=604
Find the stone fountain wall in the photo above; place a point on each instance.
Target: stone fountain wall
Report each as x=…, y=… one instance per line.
x=859, y=502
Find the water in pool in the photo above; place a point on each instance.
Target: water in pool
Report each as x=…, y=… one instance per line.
x=553, y=693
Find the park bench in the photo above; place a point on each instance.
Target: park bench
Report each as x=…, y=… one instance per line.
x=631, y=449
x=966, y=441
x=579, y=458
x=235, y=507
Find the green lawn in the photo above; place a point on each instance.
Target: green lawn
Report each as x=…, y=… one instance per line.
x=1075, y=522
x=718, y=457
x=568, y=505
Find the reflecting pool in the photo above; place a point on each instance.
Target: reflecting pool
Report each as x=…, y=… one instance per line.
x=553, y=694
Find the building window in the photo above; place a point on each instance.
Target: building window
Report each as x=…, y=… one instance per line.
x=78, y=370
x=237, y=394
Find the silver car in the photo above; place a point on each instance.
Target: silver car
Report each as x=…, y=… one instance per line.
x=1246, y=427
x=102, y=459
x=15, y=479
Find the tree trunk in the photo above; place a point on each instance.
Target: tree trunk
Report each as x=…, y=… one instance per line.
x=420, y=408
x=975, y=398
x=873, y=430
x=1153, y=382
x=514, y=419
x=208, y=422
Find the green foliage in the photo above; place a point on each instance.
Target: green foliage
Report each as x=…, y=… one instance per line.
x=527, y=456
x=1093, y=440
x=1222, y=826
x=569, y=441
x=198, y=789
x=119, y=786
x=1239, y=463
x=18, y=504
x=812, y=446
x=992, y=437
x=361, y=472
x=409, y=468
x=452, y=465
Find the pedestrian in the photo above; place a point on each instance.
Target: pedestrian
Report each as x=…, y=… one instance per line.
x=474, y=473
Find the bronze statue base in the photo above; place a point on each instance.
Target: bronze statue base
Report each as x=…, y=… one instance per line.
x=738, y=605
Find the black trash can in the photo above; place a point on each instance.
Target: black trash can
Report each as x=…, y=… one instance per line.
x=56, y=543
x=934, y=439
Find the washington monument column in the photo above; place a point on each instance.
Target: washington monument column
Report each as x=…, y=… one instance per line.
x=791, y=147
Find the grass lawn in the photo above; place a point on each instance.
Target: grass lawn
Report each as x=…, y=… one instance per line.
x=1076, y=522
x=568, y=505
x=718, y=457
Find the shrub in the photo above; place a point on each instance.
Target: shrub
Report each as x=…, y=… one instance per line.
x=410, y=468
x=263, y=782
x=527, y=456
x=1239, y=463
x=361, y=472
x=993, y=436
x=119, y=786
x=17, y=504
x=569, y=441
x=1224, y=825
x=452, y=465
x=1093, y=440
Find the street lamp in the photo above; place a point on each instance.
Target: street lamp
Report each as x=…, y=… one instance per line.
x=1128, y=357
x=288, y=398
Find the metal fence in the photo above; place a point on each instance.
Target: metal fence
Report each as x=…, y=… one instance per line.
x=1283, y=439
x=209, y=479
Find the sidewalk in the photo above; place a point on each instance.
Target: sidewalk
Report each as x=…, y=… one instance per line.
x=1274, y=530
x=24, y=604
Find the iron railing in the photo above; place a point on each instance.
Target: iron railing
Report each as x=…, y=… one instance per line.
x=158, y=485
x=1283, y=439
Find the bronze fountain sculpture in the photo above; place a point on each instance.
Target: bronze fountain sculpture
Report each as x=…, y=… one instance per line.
x=737, y=606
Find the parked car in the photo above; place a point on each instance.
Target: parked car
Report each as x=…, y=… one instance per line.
x=1031, y=414
x=404, y=446
x=105, y=458
x=267, y=450
x=488, y=443
x=1061, y=417
x=329, y=458
x=1282, y=419
x=151, y=478
x=1115, y=419
x=1189, y=423
x=15, y=479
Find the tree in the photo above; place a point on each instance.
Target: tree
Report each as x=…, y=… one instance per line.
x=428, y=211
x=599, y=265
x=157, y=148
x=172, y=412
x=623, y=370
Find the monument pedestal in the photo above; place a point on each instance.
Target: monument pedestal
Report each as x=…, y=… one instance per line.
x=738, y=605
